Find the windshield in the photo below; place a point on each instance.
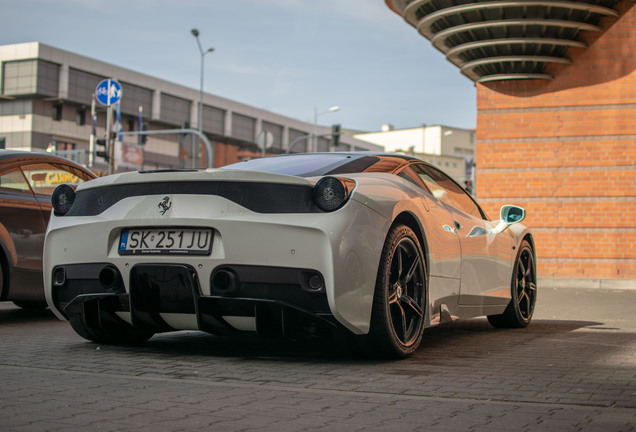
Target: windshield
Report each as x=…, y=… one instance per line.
x=308, y=165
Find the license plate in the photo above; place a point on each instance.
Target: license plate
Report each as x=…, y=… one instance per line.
x=186, y=241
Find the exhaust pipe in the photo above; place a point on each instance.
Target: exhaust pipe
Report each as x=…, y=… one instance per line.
x=59, y=276
x=225, y=280
x=110, y=279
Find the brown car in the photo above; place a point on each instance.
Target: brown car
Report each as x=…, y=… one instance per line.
x=27, y=181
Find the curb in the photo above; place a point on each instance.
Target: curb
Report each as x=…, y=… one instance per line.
x=603, y=284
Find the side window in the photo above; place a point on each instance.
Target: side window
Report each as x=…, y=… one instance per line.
x=408, y=174
x=44, y=178
x=14, y=181
x=446, y=190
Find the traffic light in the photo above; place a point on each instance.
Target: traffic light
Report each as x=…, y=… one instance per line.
x=335, y=135
x=143, y=138
x=468, y=186
x=101, y=142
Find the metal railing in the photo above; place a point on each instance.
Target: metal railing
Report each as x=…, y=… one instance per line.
x=77, y=156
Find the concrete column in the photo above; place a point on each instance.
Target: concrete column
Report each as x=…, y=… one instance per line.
x=62, y=89
x=228, y=123
x=258, y=127
x=285, y=138
x=156, y=105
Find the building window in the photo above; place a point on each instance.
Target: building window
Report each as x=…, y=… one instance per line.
x=80, y=117
x=243, y=127
x=297, y=138
x=276, y=131
x=57, y=111
x=61, y=146
x=81, y=85
x=213, y=120
x=174, y=110
x=3, y=143
x=19, y=77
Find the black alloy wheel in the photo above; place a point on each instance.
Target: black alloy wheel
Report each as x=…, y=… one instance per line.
x=398, y=316
x=523, y=290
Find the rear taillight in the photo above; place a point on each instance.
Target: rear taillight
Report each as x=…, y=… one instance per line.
x=331, y=193
x=62, y=199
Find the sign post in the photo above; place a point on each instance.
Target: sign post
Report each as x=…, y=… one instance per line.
x=91, y=140
x=109, y=92
x=265, y=139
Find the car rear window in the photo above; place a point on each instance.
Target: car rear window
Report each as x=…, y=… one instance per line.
x=319, y=164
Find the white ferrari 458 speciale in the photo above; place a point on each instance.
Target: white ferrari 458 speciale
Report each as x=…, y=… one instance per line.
x=378, y=246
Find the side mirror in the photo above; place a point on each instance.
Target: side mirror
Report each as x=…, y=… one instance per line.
x=512, y=214
x=508, y=215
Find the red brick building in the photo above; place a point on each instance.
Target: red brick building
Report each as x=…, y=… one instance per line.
x=556, y=122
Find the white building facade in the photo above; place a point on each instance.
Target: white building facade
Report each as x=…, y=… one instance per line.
x=45, y=102
x=451, y=149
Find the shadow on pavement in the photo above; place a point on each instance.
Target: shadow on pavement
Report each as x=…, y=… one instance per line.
x=446, y=344
x=10, y=314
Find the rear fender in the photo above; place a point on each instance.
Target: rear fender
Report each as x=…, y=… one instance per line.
x=7, y=246
x=7, y=260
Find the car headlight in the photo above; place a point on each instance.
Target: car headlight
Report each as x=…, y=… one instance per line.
x=330, y=193
x=62, y=199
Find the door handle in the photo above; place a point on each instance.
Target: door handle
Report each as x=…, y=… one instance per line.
x=24, y=233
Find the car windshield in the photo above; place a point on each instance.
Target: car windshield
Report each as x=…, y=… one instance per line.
x=309, y=165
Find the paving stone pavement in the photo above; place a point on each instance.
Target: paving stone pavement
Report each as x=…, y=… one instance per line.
x=572, y=369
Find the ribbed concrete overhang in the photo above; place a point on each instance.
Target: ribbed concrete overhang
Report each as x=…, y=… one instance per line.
x=493, y=40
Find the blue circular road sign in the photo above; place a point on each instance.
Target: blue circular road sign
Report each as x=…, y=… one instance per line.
x=108, y=92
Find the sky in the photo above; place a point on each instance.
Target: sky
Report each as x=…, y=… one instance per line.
x=291, y=57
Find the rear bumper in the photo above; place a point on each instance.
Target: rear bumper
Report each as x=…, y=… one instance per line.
x=271, y=301
x=344, y=247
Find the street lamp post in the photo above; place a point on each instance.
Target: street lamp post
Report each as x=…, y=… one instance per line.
x=195, y=33
x=316, y=114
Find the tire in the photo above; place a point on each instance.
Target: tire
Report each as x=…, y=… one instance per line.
x=30, y=305
x=3, y=273
x=398, y=314
x=121, y=334
x=523, y=288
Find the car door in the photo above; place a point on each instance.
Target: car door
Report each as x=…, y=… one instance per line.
x=43, y=178
x=443, y=244
x=21, y=220
x=486, y=263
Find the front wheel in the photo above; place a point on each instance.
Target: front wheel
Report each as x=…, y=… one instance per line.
x=398, y=315
x=523, y=288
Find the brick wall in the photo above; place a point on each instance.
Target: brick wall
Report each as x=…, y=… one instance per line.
x=565, y=149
